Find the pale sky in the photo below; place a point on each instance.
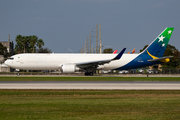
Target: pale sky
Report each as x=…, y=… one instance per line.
x=66, y=24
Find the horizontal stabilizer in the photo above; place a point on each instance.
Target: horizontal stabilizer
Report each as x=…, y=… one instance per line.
x=162, y=59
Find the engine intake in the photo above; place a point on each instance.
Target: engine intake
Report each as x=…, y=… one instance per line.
x=68, y=68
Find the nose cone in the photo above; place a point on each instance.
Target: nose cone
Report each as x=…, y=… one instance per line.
x=6, y=62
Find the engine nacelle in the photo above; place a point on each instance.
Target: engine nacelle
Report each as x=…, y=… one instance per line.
x=68, y=68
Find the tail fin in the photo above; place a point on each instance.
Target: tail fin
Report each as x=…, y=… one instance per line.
x=158, y=46
x=133, y=51
x=115, y=52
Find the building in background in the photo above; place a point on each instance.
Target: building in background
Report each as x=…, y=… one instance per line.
x=4, y=68
x=10, y=49
x=10, y=46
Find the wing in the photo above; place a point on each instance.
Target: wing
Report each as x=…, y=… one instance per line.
x=94, y=64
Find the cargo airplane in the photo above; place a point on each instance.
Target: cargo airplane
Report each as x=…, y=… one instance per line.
x=89, y=63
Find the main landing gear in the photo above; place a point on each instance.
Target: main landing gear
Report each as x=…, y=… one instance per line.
x=89, y=73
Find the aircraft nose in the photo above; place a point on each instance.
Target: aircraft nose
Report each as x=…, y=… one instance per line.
x=6, y=62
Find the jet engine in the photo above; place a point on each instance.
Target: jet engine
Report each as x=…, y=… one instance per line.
x=69, y=68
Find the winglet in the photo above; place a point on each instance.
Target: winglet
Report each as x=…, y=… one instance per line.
x=119, y=55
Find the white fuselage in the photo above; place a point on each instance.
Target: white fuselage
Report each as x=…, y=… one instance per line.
x=39, y=61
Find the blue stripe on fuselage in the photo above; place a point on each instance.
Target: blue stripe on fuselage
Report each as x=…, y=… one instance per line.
x=138, y=62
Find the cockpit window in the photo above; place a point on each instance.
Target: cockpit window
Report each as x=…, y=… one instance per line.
x=11, y=58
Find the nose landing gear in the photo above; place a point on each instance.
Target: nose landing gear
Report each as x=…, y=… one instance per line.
x=17, y=72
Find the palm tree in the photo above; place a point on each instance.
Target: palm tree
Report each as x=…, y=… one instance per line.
x=24, y=42
x=27, y=43
x=19, y=45
x=33, y=40
x=40, y=43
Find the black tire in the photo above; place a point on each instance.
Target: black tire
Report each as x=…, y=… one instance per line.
x=91, y=73
x=86, y=73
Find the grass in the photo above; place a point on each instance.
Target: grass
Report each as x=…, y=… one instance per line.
x=89, y=104
x=17, y=78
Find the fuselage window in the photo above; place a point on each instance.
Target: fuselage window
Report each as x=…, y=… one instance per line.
x=11, y=58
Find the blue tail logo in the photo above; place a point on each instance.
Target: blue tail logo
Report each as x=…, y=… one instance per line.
x=158, y=46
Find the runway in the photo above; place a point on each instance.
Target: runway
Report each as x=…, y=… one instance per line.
x=92, y=85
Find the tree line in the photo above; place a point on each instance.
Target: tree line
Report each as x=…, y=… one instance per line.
x=27, y=44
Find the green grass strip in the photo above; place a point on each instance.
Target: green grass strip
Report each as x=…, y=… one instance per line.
x=89, y=105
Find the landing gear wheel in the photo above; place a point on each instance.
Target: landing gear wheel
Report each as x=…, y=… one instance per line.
x=18, y=73
x=88, y=73
x=91, y=73
x=17, y=70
